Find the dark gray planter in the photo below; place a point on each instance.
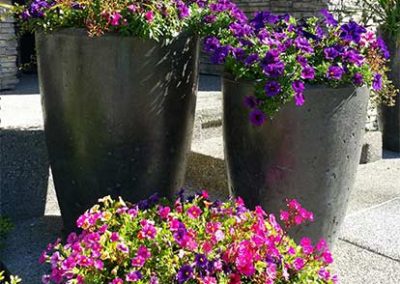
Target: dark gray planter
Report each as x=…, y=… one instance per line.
x=309, y=153
x=390, y=116
x=118, y=115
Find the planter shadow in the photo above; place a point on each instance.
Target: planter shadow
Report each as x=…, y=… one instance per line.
x=26, y=242
x=24, y=173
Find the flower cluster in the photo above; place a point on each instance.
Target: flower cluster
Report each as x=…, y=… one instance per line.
x=281, y=55
x=145, y=18
x=187, y=241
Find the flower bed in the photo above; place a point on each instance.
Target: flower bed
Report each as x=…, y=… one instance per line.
x=188, y=241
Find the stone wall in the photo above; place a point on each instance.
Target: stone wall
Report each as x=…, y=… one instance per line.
x=299, y=8
x=8, y=52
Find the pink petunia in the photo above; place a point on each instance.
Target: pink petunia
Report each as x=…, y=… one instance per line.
x=194, y=212
x=115, y=18
x=149, y=16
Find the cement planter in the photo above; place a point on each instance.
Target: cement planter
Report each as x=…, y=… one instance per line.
x=118, y=115
x=390, y=116
x=309, y=153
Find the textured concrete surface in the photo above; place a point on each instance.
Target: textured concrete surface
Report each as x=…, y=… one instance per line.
x=372, y=147
x=376, y=228
x=357, y=265
x=366, y=253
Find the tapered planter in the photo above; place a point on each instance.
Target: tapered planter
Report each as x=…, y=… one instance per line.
x=118, y=115
x=390, y=115
x=309, y=153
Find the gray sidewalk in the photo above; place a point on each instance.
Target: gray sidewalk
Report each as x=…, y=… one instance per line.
x=368, y=250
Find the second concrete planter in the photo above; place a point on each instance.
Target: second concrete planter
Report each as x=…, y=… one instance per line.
x=390, y=116
x=309, y=153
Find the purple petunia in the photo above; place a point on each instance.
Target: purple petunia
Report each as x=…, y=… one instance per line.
x=383, y=47
x=184, y=274
x=240, y=30
x=262, y=18
x=329, y=18
x=331, y=53
x=251, y=59
x=377, y=83
x=335, y=72
x=201, y=260
x=352, y=32
x=183, y=9
x=134, y=276
x=238, y=53
x=274, y=70
x=302, y=60
x=270, y=57
x=211, y=43
x=358, y=79
x=220, y=54
x=299, y=99
x=272, y=88
x=308, y=72
x=353, y=57
x=257, y=117
x=298, y=86
x=250, y=101
x=303, y=44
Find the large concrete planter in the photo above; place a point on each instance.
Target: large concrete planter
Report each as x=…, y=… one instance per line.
x=390, y=116
x=118, y=115
x=309, y=153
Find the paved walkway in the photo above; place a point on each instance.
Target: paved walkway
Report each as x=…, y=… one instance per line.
x=368, y=250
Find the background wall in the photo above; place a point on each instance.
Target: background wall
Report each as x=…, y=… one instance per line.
x=8, y=52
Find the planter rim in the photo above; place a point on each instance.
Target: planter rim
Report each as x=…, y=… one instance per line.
x=83, y=32
x=229, y=77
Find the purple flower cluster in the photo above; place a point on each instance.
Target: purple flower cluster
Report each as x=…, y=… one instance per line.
x=283, y=55
x=37, y=8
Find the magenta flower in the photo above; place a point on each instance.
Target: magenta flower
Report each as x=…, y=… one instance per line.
x=163, y=211
x=114, y=237
x=194, y=212
x=298, y=263
x=299, y=99
x=148, y=231
x=149, y=16
x=138, y=261
x=144, y=252
x=115, y=18
x=306, y=244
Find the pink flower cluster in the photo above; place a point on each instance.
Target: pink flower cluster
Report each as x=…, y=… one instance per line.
x=196, y=241
x=296, y=214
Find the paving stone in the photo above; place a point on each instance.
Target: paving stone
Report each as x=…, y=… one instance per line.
x=377, y=229
x=376, y=183
x=355, y=265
